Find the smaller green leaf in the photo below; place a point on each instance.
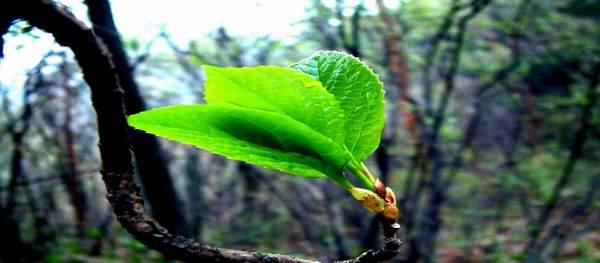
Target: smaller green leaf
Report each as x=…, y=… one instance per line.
x=268, y=139
x=359, y=92
x=368, y=199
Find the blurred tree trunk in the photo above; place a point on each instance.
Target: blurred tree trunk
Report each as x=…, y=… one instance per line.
x=321, y=26
x=510, y=163
x=9, y=227
x=70, y=175
x=44, y=234
x=334, y=218
x=533, y=248
x=350, y=41
x=293, y=204
x=249, y=216
x=18, y=127
x=431, y=54
x=153, y=171
x=412, y=192
x=104, y=234
x=195, y=192
x=395, y=59
x=251, y=187
x=229, y=56
x=423, y=243
x=565, y=226
x=397, y=63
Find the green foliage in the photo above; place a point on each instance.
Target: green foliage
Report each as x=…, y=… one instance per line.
x=312, y=125
x=277, y=90
x=359, y=92
x=269, y=139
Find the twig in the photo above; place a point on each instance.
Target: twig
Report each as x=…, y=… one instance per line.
x=592, y=222
x=566, y=220
x=391, y=245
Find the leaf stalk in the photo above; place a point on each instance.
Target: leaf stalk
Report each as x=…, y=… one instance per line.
x=361, y=173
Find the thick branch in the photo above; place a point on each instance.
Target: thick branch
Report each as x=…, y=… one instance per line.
x=152, y=169
x=117, y=168
x=107, y=98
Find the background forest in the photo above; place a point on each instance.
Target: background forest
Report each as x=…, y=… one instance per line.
x=492, y=139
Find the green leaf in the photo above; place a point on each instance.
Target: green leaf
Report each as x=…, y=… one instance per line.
x=280, y=90
x=359, y=92
x=268, y=139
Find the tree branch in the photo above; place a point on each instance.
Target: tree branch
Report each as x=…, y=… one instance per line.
x=397, y=62
x=152, y=168
x=431, y=224
x=557, y=228
x=575, y=153
x=498, y=77
x=117, y=168
x=391, y=245
x=431, y=54
x=107, y=98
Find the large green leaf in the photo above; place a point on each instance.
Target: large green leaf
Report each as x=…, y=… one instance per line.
x=264, y=138
x=280, y=90
x=359, y=92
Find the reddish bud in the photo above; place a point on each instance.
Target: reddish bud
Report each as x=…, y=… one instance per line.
x=380, y=188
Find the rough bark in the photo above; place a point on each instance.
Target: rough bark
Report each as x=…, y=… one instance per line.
x=158, y=187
